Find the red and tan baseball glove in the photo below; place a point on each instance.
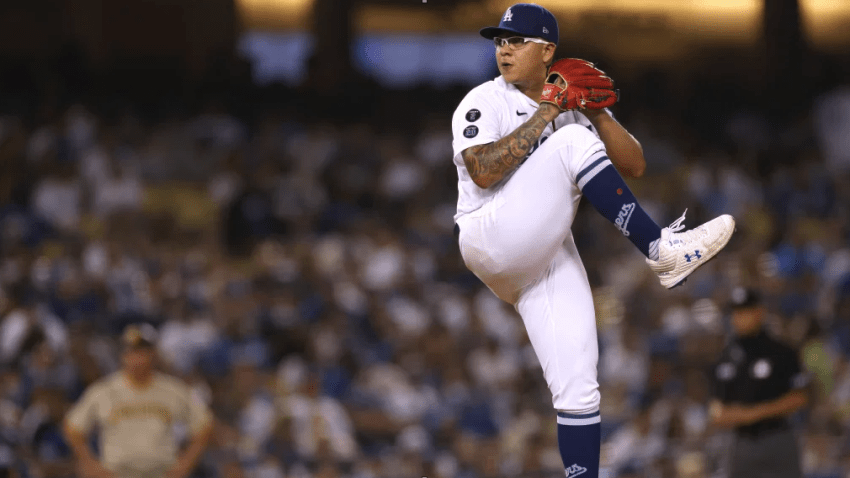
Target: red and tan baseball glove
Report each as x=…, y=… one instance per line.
x=577, y=84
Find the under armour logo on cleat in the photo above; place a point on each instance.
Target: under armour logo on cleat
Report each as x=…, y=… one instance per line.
x=696, y=255
x=575, y=470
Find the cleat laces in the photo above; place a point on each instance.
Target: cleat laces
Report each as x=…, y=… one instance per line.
x=678, y=239
x=677, y=225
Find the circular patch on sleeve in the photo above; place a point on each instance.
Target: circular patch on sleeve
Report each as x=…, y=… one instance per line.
x=762, y=368
x=473, y=115
x=470, y=131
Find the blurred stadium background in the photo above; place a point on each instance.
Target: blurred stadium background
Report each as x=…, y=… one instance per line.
x=269, y=182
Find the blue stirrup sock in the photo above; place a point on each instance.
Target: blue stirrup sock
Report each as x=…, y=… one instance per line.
x=610, y=195
x=579, y=440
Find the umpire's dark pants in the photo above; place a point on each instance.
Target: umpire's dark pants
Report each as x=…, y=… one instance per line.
x=771, y=454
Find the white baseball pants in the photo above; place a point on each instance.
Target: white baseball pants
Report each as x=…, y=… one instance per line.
x=520, y=245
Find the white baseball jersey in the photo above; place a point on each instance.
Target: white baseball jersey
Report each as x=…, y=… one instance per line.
x=488, y=113
x=515, y=235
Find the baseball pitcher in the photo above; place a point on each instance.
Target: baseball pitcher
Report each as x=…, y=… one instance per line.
x=528, y=146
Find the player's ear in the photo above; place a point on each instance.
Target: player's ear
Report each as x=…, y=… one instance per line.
x=548, y=54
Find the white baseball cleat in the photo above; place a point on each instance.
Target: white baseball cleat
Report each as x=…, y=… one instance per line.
x=681, y=253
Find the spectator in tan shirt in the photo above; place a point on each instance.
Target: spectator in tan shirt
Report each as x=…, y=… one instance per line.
x=135, y=410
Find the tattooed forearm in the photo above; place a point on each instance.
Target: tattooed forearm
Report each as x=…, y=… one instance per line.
x=489, y=163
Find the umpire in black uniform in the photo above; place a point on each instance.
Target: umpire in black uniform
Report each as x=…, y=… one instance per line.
x=758, y=383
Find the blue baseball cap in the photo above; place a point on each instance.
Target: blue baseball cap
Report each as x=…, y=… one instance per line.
x=527, y=20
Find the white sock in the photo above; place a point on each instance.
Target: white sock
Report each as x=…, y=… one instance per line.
x=653, y=249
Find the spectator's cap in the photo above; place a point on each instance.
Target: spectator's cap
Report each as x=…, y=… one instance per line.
x=527, y=20
x=744, y=298
x=139, y=336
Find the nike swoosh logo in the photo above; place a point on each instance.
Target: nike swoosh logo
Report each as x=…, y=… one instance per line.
x=520, y=114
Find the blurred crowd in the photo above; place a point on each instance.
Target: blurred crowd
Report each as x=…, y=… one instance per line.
x=305, y=280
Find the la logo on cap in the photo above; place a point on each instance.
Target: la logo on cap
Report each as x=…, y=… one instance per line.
x=508, y=16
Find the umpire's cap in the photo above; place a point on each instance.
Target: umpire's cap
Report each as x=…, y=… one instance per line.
x=139, y=336
x=527, y=20
x=744, y=298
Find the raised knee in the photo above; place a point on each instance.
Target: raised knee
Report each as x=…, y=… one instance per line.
x=574, y=131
